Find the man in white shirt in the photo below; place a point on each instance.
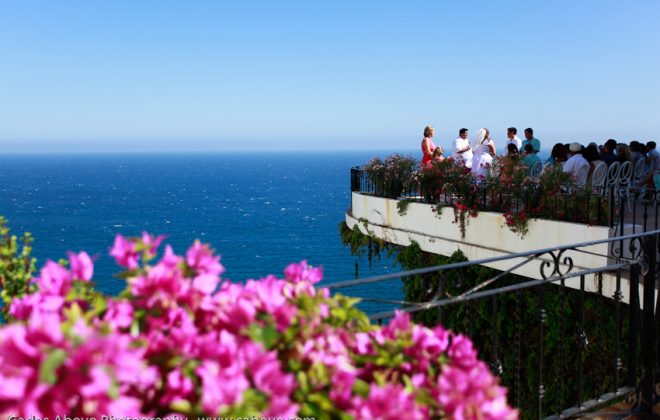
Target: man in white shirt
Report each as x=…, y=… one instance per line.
x=462, y=152
x=512, y=139
x=575, y=163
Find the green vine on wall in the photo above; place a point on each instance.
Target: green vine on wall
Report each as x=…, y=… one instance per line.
x=516, y=318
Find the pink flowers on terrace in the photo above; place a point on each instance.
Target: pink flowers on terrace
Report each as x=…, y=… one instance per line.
x=181, y=340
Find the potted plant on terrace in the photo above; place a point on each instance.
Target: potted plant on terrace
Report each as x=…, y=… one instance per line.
x=391, y=176
x=446, y=183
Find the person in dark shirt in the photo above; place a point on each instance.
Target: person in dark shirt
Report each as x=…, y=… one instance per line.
x=558, y=155
x=607, y=152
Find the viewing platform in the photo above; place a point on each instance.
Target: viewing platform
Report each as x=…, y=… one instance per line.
x=568, y=318
x=481, y=231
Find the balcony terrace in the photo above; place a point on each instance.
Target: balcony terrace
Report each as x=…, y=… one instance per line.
x=581, y=265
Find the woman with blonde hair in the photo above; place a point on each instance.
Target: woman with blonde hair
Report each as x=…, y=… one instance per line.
x=429, y=149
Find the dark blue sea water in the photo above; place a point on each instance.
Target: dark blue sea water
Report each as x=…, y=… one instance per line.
x=259, y=211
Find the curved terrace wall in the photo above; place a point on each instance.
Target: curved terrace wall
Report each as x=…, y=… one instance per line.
x=486, y=236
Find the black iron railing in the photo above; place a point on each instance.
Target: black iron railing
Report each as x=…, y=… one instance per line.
x=561, y=350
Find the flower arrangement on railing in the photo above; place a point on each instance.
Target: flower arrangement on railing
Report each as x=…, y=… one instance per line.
x=553, y=179
x=180, y=342
x=507, y=189
x=526, y=197
x=446, y=183
x=391, y=176
x=517, y=222
x=508, y=170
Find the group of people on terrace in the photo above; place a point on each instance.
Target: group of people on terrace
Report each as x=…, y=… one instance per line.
x=574, y=158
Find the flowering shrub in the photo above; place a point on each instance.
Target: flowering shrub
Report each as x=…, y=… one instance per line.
x=447, y=183
x=16, y=266
x=517, y=222
x=180, y=341
x=506, y=188
x=553, y=179
x=509, y=170
x=391, y=176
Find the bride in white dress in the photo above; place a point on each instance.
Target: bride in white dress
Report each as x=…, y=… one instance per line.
x=484, y=150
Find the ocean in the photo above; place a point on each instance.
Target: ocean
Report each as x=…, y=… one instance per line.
x=259, y=211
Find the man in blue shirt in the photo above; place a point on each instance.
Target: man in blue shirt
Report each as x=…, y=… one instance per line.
x=529, y=158
x=530, y=139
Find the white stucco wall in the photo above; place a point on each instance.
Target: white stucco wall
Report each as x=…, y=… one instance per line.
x=486, y=236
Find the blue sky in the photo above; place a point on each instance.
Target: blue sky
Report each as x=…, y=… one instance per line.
x=250, y=75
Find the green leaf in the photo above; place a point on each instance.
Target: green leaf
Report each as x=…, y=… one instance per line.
x=303, y=383
x=135, y=327
x=361, y=388
x=409, y=387
x=267, y=334
x=322, y=401
x=48, y=370
x=181, y=406
x=113, y=391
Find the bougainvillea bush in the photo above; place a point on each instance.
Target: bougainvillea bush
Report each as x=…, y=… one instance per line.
x=180, y=341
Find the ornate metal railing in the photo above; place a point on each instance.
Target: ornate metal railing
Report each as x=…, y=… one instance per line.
x=613, y=206
x=579, y=350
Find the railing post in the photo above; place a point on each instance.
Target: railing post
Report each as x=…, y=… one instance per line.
x=542, y=319
x=611, y=198
x=645, y=215
x=518, y=315
x=583, y=342
x=648, y=327
x=618, y=297
x=633, y=326
x=560, y=379
x=496, y=364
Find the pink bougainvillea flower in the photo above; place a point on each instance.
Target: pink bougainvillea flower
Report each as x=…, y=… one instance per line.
x=200, y=258
x=400, y=322
x=22, y=308
x=159, y=283
x=179, y=337
x=170, y=259
x=178, y=387
x=363, y=344
x=151, y=243
x=221, y=386
x=119, y=314
x=269, y=378
x=296, y=273
x=341, y=393
x=462, y=352
x=99, y=385
x=124, y=252
x=206, y=283
x=389, y=402
x=426, y=348
x=82, y=267
x=54, y=279
x=470, y=392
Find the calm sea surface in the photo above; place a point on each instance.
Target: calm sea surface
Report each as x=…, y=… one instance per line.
x=259, y=211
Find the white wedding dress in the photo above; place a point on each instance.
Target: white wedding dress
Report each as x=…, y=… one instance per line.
x=482, y=158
